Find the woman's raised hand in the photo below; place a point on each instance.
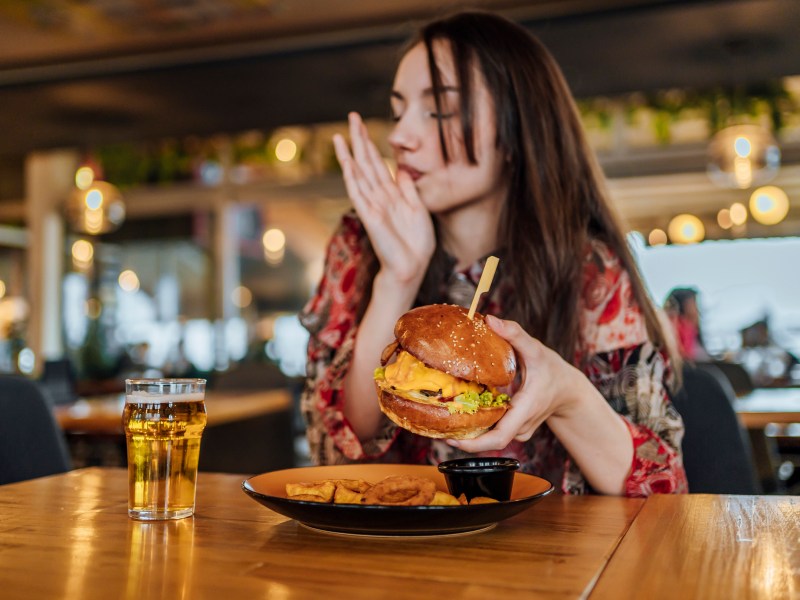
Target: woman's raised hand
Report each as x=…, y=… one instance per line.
x=397, y=222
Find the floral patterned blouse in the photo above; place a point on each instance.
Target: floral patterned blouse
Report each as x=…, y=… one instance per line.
x=622, y=363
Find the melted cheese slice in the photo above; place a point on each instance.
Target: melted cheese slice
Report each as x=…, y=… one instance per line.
x=407, y=373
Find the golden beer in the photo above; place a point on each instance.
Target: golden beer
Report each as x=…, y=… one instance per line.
x=163, y=421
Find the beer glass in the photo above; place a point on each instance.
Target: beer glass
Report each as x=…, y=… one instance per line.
x=163, y=420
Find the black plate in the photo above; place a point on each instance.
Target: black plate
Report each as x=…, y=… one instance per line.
x=270, y=490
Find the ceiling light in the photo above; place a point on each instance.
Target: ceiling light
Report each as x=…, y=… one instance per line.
x=128, y=280
x=241, y=296
x=738, y=213
x=769, y=205
x=274, y=240
x=96, y=209
x=742, y=156
x=724, y=218
x=84, y=177
x=657, y=237
x=286, y=150
x=82, y=252
x=686, y=229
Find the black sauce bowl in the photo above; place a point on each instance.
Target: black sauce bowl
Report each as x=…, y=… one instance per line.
x=490, y=477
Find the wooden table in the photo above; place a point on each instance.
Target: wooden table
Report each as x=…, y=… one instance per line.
x=769, y=405
x=704, y=546
x=103, y=414
x=247, y=431
x=69, y=536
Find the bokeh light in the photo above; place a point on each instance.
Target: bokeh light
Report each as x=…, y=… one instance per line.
x=84, y=177
x=82, y=253
x=738, y=213
x=657, y=237
x=769, y=205
x=274, y=240
x=128, y=281
x=286, y=150
x=724, y=218
x=686, y=229
x=241, y=297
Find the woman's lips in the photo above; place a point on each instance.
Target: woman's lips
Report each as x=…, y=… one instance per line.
x=413, y=173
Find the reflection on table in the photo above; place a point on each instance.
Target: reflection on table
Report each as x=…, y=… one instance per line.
x=77, y=525
x=708, y=546
x=695, y=546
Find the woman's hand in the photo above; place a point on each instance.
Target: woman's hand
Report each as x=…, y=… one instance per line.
x=397, y=222
x=552, y=390
x=545, y=376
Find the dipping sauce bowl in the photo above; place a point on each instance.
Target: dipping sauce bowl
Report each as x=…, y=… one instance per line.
x=491, y=477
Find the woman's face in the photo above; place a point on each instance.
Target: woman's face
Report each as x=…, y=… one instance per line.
x=444, y=186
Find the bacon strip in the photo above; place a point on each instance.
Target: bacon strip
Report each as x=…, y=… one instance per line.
x=388, y=352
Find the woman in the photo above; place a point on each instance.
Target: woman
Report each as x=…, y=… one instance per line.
x=491, y=159
x=682, y=310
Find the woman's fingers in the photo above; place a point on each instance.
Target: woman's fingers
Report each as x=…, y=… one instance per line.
x=371, y=173
x=378, y=164
x=359, y=188
x=348, y=170
x=491, y=440
x=527, y=347
x=408, y=191
x=361, y=152
x=511, y=427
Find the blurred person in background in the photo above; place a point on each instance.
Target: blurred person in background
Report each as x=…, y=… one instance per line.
x=683, y=312
x=492, y=159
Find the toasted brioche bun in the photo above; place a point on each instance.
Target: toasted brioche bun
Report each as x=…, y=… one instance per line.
x=443, y=337
x=436, y=421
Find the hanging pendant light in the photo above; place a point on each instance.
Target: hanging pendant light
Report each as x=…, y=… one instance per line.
x=769, y=205
x=96, y=209
x=743, y=156
x=686, y=229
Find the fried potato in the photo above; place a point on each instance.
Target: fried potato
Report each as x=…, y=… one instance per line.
x=309, y=498
x=401, y=491
x=392, y=491
x=344, y=495
x=322, y=489
x=482, y=500
x=354, y=485
x=444, y=499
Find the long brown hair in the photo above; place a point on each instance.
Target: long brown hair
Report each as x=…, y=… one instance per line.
x=557, y=200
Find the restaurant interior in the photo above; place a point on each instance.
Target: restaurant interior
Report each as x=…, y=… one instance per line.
x=168, y=189
x=207, y=127
x=204, y=129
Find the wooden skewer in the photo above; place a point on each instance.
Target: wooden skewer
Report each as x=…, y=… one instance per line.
x=485, y=283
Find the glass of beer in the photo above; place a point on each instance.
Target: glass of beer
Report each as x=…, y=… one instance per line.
x=163, y=420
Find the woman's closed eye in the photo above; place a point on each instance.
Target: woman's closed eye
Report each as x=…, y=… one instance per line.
x=429, y=114
x=439, y=116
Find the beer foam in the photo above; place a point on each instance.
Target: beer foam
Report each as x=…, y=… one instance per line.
x=157, y=398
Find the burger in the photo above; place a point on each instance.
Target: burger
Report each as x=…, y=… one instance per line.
x=446, y=374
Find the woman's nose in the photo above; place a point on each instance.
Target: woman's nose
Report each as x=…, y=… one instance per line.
x=403, y=136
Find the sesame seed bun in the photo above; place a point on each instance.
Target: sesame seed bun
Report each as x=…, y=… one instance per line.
x=443, y=337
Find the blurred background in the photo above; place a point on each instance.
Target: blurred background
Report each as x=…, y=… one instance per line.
x=168, y=183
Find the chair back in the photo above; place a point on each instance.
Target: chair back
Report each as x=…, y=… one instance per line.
x=31, y=442
x=716, y=452
x=58, y=381
x=738, y=377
